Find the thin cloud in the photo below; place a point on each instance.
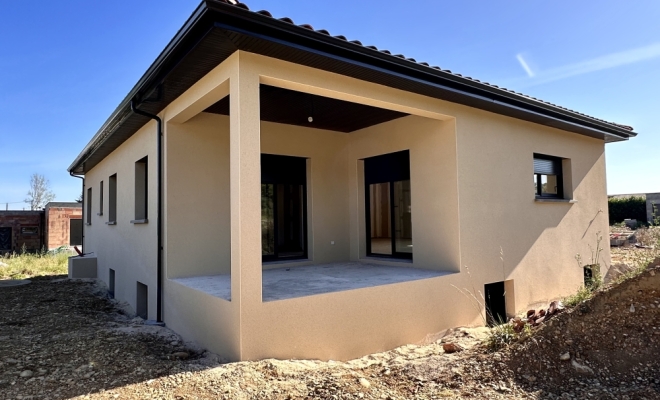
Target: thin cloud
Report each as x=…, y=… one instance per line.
x=609, y=61
x=525, y=66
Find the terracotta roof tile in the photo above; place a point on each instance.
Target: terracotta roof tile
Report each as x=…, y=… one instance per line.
x=412, y=60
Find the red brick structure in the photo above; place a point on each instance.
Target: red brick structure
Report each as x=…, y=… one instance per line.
x=63, y=225
x=19, y=229
x=59, y=224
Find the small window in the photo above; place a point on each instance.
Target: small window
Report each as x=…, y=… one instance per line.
x=29, y=230
x=101, y=199
x=89, y=206
x=112, y=199
x=548, y=178
x=141, y=190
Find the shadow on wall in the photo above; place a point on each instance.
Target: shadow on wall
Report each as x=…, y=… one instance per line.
x=542, y=237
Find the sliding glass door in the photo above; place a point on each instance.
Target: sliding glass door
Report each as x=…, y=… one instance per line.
x=388, y=205
x=283, y=207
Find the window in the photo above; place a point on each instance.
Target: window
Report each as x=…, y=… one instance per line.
x=112, y=200
x=5, y=238
x=100, y=199
x=283, y=207
x=141, y=191
x=75, y=232
x=548, y=177
x=388, y=205
x=89, y=206
x=29, y=230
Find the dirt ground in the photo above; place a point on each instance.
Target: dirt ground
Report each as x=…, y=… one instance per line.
x=63, y=339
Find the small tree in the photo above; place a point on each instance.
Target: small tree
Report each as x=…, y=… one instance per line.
x=39, y=194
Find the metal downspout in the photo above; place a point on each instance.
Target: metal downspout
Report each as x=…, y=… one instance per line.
x=82, y=196
x=159, y=285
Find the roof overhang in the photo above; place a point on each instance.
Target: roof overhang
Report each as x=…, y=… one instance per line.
x=216, y=29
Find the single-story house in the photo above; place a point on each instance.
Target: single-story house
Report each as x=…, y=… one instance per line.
x=271, y=190
x=58, y=224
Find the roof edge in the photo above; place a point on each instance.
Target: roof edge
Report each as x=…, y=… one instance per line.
x=468, y=86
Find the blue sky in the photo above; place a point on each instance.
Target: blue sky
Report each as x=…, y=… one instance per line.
x=66, y=65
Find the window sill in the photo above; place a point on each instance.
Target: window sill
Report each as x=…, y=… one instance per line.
x=111, y=223
x=139, y=221
x=99, y=214
x=551, y=200
x=88, y=223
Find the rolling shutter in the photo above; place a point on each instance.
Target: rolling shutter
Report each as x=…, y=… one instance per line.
x=545, y=167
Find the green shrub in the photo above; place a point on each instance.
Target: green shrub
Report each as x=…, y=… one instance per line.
x=584, y=293
x=632, y=207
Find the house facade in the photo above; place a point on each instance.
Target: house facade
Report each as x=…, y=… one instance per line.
x=269, y=190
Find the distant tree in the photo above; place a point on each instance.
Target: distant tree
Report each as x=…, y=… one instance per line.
x=79, y=199
x=39, y=194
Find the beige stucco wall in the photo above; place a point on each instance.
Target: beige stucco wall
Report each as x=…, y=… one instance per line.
x=538, y=240
x=473, y=208
x=129, y=249
x=197, y=205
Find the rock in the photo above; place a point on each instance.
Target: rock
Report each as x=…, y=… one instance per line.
x=365, y=383
x=632, y=308
x=530, y=313
x=27, y=374
x=581, y=369
x=181, y=355
x=174, y=342
x=565, y=357
x=451, y=348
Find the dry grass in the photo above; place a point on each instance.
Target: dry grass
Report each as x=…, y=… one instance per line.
x=26, y=265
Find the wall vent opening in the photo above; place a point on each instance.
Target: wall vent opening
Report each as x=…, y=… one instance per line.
x=141, y=303
x=111, y=283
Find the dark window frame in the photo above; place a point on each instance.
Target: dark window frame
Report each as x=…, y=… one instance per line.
x=271, y=175
x=112, y=200
x=100, y=199
x=556, y=170
x=88, y=217
x=385, y=174
x=141, y=192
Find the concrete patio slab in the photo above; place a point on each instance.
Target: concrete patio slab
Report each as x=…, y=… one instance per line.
x=288, y=283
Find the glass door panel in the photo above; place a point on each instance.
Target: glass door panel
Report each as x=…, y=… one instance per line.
x=291, y=221
x=402, y=217
x=380, y=214
x=267, y=219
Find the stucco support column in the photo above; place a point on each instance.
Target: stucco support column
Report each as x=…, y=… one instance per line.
x=245, y=187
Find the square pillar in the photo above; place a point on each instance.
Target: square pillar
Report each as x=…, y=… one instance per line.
x=245, y=192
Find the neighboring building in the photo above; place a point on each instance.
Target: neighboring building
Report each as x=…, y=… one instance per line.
x=63, y=224
x=325, y=199
x=652, y=204
x=58, y=224
x=21, y=230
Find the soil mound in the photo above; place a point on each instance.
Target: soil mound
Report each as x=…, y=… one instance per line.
x=606, y=347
